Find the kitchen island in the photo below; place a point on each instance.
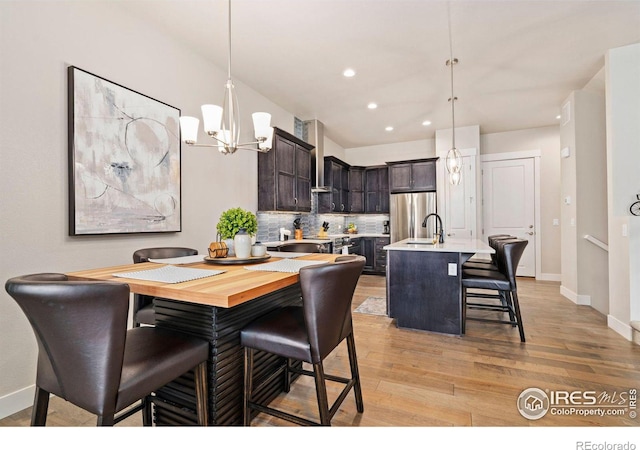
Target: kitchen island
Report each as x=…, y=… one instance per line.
x=424, y=290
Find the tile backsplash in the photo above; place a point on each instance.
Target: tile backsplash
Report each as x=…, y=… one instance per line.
x=269, y=223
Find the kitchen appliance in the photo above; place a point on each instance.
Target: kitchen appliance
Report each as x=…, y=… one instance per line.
x=341, y=243
x=407, y=211
x=314, y=134
x=386, y=229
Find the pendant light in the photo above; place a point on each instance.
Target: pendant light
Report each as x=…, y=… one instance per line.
x=453, y=160
x=222, y=123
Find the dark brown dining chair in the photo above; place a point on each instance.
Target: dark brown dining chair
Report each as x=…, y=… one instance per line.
x=87, y=356
x=308, y=333
x=143, y=312
x=477, y=282
x=302, y=247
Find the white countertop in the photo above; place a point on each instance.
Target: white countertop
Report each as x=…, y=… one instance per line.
x=449, y=245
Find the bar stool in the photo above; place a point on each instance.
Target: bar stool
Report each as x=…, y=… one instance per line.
x=87, y=356
x=143, y=312
x=503, y=281
x=476, y=263
x=309, y=334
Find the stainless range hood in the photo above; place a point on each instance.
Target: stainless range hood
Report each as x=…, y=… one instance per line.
x=314, y=135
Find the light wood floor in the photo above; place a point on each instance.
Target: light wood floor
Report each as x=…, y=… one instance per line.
x=413, y=378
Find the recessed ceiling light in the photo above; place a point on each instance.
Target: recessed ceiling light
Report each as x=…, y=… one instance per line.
x=389, y=129
x=558, y=116
x=372, y=105
x=426, y=123
x=349, y=73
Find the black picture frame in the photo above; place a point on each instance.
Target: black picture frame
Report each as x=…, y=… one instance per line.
x=124, y=159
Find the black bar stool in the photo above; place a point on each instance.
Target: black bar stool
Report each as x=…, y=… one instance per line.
x=87, y=356
x=143, y=312
x=502, y=280
x=308, y=333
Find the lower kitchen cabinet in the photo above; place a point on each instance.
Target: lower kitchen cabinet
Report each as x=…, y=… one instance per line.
x=376, y=257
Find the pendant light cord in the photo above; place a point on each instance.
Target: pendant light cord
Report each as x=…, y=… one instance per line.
x=451, y=62
x=229, y=48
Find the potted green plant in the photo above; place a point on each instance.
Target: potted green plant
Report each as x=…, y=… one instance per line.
x=230, y=223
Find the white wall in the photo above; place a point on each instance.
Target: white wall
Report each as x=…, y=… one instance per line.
x=376, y=155
x=622, y=68
x=585, y=273
x=38, y=41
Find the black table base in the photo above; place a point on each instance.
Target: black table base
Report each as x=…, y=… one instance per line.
x=175, y=403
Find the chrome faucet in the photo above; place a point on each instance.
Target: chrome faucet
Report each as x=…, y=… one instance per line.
x=438, y=223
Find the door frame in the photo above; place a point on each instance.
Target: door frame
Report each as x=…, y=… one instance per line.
x=525, y=154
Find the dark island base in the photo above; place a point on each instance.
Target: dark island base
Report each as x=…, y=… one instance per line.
x=421, y=294
x=176, y=403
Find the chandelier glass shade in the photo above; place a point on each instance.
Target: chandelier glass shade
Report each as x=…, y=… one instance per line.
x=222, y=123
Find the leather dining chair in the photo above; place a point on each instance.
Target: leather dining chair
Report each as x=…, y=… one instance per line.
x=503, y=280
x=87, y=356
x=308, y=333
x=302, y=247
x=143, y=312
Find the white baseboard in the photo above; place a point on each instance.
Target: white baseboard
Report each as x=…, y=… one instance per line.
x=549, y=277
x=623, y=329
x=575, y=298
x=17, y=401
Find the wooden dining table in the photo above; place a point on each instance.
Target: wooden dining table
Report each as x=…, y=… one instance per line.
x=214, y=308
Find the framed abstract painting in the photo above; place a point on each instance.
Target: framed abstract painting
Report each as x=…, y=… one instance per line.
x=124, y=159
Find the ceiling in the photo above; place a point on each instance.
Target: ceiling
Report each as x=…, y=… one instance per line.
x=518, y=60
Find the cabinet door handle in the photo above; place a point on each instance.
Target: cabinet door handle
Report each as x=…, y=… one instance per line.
x=341, y=207
x=333, y=206
x=530, y=233
x=295, y=200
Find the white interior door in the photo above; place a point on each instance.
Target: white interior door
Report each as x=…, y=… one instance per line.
x=460, y=202
x=509, y=205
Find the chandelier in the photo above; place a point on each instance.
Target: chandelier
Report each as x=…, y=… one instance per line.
x=222, y=122
x=453, y=160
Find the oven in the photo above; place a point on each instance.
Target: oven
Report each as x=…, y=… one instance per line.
x=340, y=243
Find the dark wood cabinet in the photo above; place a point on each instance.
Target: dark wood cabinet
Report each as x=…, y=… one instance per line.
x=336, y=178
x=284, y=175
x=356, y=246
x=356, y=189
x=376, y=257
x=412, y=176
x=377, y=189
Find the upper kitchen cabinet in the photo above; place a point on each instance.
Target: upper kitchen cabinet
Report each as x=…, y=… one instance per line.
x=357, y=189
x=412, y=176
x=377, y=189
x=336, y=179
x=284, y=174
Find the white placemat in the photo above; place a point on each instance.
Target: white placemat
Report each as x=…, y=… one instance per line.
x=169, y=274
x=287, y=254
x=284, y=265
x=179, y=260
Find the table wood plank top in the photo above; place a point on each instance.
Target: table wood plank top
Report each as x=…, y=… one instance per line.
x=233, y=287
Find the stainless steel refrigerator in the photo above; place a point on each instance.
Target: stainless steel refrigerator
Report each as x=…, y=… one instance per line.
x=407, y=212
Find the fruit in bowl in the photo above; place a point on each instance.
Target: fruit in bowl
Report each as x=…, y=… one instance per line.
x=352, y=228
